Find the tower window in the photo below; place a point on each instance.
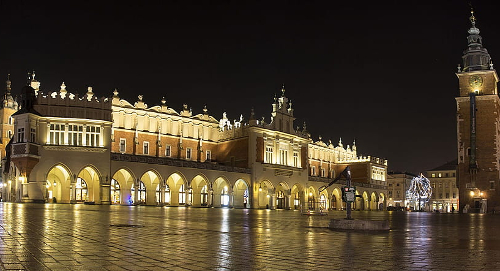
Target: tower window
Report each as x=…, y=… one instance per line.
x=145, y=147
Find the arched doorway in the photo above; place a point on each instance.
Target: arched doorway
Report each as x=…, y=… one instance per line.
x=81, y=191
x=152, y=180
x=177, y=188
x=91, y=181
x=241, y=197
x=199, y=191
x=264, y=192
x=124, y=180
x=58, y=184
x=297, y=197
x=221, y=193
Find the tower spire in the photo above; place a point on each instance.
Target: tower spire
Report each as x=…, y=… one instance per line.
x=475, y=57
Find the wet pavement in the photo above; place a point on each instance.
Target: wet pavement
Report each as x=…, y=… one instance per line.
x=92, y=237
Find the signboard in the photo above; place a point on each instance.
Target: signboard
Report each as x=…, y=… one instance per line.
x=349, y=193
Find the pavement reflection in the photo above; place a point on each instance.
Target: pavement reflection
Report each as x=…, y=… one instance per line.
x=92, y=237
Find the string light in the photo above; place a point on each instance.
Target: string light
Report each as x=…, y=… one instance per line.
x=420, y=191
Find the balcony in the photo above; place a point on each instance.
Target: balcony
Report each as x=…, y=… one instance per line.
x=25, y=149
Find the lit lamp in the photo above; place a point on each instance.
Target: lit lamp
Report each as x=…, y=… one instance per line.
x=54, y=183
x=260, y=187
x=472, y=193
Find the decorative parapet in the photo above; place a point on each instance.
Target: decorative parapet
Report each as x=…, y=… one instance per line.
x=176, y=162
x=25, y=149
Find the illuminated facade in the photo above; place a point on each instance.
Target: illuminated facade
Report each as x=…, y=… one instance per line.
x=70, y=149
x=398, y=184
x=444, y=187
x=478, y=128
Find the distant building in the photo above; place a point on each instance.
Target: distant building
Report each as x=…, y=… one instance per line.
x=444, y=187
x=397, y=186
x=68, y=148
x=478, y=132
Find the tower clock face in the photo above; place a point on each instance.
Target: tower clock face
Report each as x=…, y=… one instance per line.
x=475, y=81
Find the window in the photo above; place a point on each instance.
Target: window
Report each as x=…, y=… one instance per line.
x=92, y=136
x=11, y=120
x=397, y=184
x=492, y=184
x=322, y=172
x=168, y=151
x=188, y=153
x=454, y=195
x=123, y=145
x=20, y=135
x=296, y=159
x=145, y=147
x=439, y=175
x=208, y=156
x=447, y=195
x=283, y=157
x=32, y=135
x=390, y=185
x=440, y=195
x=269, y=155
x=446, y=175
x=75, y=135
x=57, y=134
x=313, y=171
x=9, y=134
x=433, y=175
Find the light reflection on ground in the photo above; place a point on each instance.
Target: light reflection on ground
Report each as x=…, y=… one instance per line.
x=88, y=237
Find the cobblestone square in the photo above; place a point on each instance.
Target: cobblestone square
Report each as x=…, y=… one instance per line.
x=93, y=237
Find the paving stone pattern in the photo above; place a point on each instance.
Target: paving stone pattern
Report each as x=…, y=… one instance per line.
x=91, y=237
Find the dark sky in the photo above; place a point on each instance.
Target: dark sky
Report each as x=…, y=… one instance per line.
x=381, y=73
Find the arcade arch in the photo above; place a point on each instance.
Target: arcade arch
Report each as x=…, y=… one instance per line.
x=221, y=193
x=58, y=184
x=123, y=180
x=199, y=191
x=241, y=196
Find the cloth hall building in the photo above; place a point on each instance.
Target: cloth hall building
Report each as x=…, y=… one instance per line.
x=66, y=148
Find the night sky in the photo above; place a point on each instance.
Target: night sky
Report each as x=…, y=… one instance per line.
x=381, y=73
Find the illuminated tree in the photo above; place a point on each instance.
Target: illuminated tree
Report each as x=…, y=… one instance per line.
x=420, y=191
